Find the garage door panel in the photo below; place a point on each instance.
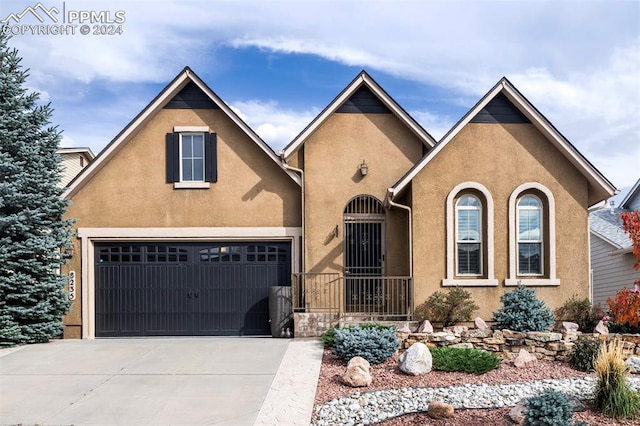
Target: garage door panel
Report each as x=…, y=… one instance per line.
x=187, y=288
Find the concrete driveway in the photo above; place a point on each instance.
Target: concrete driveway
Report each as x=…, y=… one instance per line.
x=215, y=380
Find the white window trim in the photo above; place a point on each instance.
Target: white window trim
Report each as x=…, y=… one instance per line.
x=479, y=241
x=540, y=240
x=472, y=281
x=513, y=278
x=190, y=183
x=89, y=236
x=191, y=129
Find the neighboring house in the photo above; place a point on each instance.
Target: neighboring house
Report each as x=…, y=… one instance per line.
x=72, y=163
x=187, y=217
x=612, y=259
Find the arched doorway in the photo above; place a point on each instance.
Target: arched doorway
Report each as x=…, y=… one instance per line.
x=364, y=252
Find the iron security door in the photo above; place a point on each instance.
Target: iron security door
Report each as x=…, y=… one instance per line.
x=178, y=289
x=364, y=258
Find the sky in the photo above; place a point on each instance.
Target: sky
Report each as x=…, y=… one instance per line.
x=279, y=63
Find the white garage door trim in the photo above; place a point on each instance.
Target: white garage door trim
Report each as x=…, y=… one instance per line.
x=89, y=236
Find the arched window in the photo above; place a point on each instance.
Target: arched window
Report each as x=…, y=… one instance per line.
x=530, y=236
x=469, y=235
x=470, y=248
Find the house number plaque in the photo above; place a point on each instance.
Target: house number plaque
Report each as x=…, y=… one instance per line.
x=72, y=285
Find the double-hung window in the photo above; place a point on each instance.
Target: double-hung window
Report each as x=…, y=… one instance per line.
x=530, y=236
x=469, y=235
x=191, y=157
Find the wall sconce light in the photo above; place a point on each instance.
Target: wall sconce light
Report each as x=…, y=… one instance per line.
x=364, y=168
x=69, y=251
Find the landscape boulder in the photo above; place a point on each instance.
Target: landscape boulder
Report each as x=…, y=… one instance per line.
x=524, y=359
x=569, y=326
x=480, y=324
x=425, y=327
x=439, y=410
x=516, y=414
x=601, y=328
x=456, y=329
x=358, y=373
x=416, y=360
x=405, y=328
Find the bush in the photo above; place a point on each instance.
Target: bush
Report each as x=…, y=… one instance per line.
x=583, y=354
x=373, y=344
x=550, y=408
x=579, y=311
x=522, y=311
x=613, y=396
x=328, y=337
x=467, y=360
x=447, y=308
x=625, y=307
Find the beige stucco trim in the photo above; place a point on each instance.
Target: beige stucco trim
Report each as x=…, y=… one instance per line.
x=89, y=236
x=184, y=129
x=451, y=280
x=513, y=279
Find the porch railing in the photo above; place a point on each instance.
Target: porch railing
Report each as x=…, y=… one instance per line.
x=366, y=296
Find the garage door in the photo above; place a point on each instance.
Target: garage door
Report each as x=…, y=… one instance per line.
x=187, y=289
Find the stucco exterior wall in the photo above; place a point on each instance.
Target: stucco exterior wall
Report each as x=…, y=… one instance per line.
x=501, y=157
x=332, y=156
x=130, y=191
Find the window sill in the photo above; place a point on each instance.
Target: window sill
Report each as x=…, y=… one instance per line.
x=472, y=282
x=191, y=185
x=511, y=282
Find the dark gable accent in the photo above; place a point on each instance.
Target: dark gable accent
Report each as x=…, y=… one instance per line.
x=191, y=97
x=500, y=110
x=365, y=102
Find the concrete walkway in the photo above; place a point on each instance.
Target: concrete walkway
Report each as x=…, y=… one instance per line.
x=197, y=381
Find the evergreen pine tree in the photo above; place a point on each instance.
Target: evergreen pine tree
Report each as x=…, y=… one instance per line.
x=521, y=310
x=32, y=297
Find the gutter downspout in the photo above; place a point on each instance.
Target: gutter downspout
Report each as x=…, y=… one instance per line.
x=410, y=214
x=304, y=239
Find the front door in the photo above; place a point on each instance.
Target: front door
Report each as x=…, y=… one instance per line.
x=364, y=230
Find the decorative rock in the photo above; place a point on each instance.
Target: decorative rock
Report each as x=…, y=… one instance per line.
x=480, y=324
x=524, y=359
x=405, y=328
x=416, y=360
x=601, y=328
x=456, y=329
x=633, y=364
x=569, y=326
x=544, y=336
x=357, y=374
x=425, y=327
x=442, y=336
x=440, y=410
x=516, y=414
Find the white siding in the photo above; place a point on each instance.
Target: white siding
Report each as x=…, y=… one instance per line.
x=70, y=165
x=610, y=272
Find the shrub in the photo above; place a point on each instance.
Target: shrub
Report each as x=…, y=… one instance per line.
x=448, y=308
x=328, y=337
x=373, y=344
x=583, y=354
x=579, y=311
x=522, y=311
x=613, y=396
x=625, y=307
x=467, y=360
x=550, y=408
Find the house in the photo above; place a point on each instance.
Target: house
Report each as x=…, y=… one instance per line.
x=73, y=160
x=187, y=217
x=612, y=259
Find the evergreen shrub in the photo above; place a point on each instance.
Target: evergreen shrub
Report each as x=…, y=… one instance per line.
x=467, y=360
x=583, y=354
x=374, y=344
x=579, y=311
x=522, y=311
x=456, y=305
x=549, y=408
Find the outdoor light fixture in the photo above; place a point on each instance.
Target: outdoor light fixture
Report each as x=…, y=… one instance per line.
x=364, y=168
x=69, y=251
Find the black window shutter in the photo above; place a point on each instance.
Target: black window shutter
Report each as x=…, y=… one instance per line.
x=172, y=141
x=211, y=157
